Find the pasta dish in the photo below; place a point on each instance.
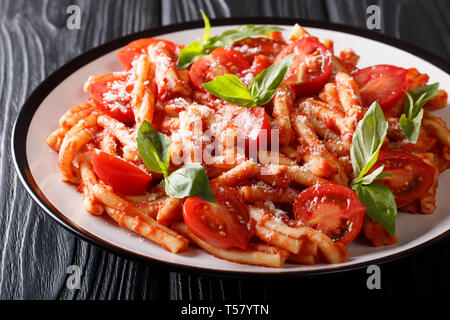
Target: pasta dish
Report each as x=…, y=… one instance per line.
x=257, y=149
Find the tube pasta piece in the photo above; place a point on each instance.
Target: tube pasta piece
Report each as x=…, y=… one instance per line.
x=127, y=214
x=270, y=157
x=333, y=119
x=88, y=179
x=241, y=172
x=278, y=239
x=331, y=251
x=320, y=161
x=330, y=96
x=291, y=153
x=143, y=94
x=262, y=192
x=309, y=254
x=67, y=121
x=170, y=81
x=170, y=211
x=348, y=93
x=428, y=199
x=108, y=143
x=255, y=254
x=439, y=129
x=165, y=237
x=74, y=140
x=283, y=104
x=438, y=102
x=126, y=136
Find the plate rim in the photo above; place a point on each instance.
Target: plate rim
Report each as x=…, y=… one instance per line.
x=31, y=105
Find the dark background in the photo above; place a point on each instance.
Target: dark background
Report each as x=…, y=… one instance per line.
x=35, y=251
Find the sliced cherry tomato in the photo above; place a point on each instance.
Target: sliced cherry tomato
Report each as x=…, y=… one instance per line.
x=111, y=93
x=225, y=224
x=311, y=66
x=121, y=175
x=382, y=83
x=219, y=62
x=251, y=47
x=253, y=124
x=333, y=209
x=136, y=48
x=411, y=176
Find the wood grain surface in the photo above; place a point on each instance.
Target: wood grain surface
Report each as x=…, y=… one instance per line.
x=35, y=251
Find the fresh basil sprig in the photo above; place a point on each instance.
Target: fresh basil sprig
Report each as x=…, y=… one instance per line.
x=190, y=180
x=197, y=49
x=230, y=88
x=411, y=119
x=366, y=144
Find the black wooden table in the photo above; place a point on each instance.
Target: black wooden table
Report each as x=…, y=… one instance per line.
x=35, y=251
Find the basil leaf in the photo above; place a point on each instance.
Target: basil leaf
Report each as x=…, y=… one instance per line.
x=190, y=54
x=375, y=175
x=196, y=50
x=207, y=32
x=266, y=83
x=154, y=148
x=411, y=119
x=380, y=204
x=367, y=140
x=411, y=127
x=239, y=33
x=230, y=88
x=190, y=180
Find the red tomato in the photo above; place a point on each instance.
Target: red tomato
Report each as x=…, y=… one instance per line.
x=333, y=209
x=121, y=175
x=111, y=93
x=219, y=62
x=382, y=83
x=225, y=224
x=251, y=47
x=136, y=48
x=260, y=63
x=253, y=124
x=311, y=66
x=411, y=177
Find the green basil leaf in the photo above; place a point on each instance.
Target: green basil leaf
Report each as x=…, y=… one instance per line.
x=380, y=204
x=230, y=88
x=411, y=127
x=239, y=33
x=377, y=174
x=411, y=119
x=207, y=32
x=196, y=50
x=266, y=83
x=190, y=180
x=190, y=54
x=367, y=140
x=154, y=148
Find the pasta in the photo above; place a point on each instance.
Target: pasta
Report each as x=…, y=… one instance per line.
x=259, y=161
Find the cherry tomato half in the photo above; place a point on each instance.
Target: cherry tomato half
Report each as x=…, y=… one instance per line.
x=251, y=47
x=111, y=93
x=253, y=124
x=333, y=209
x=136, y=48
x=311, y=66
x=219, y=62
x=225, y=224
x=121, y=175
x=411, y=176
x=382, y=83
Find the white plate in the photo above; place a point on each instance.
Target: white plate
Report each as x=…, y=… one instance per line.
x=36, y=163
